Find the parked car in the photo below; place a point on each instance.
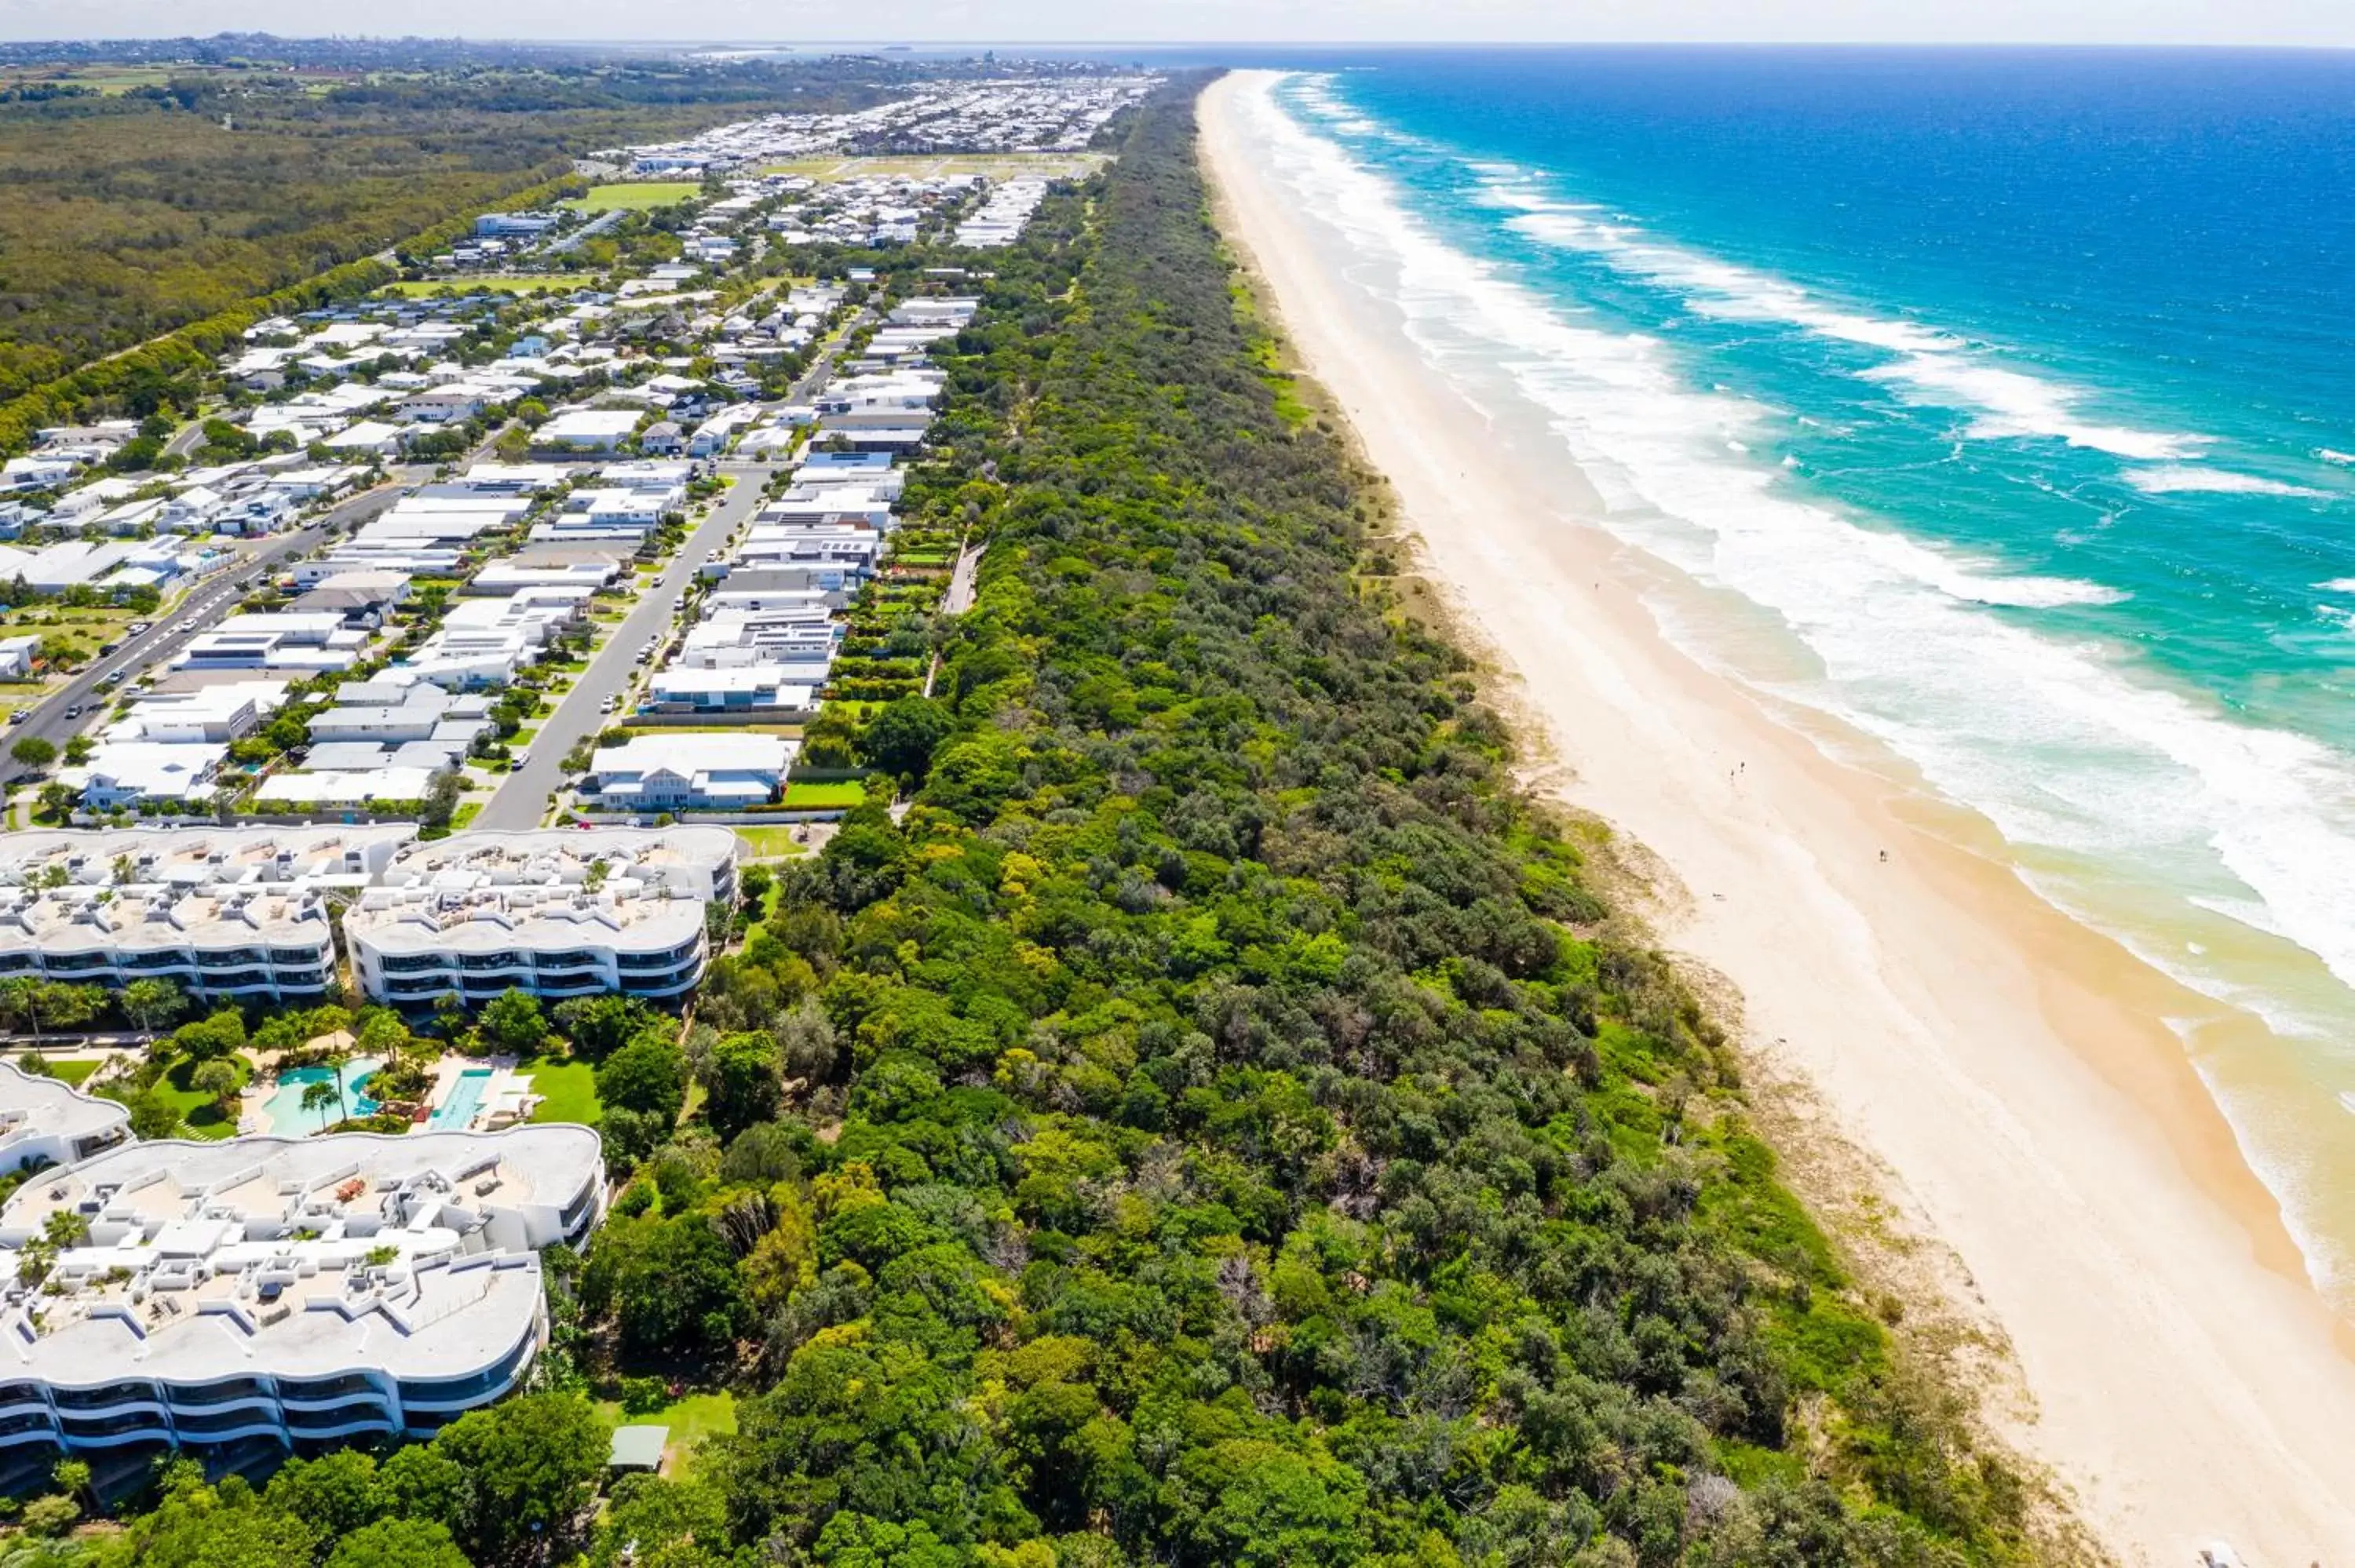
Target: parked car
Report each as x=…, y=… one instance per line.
x=20, y=716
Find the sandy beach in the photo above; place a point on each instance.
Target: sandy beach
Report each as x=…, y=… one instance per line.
x=2014, y=1074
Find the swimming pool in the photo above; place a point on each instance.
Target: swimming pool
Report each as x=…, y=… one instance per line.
x=456, y=1111
x=284, y=1106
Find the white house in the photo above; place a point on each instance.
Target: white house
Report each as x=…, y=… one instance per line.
x=674, y=772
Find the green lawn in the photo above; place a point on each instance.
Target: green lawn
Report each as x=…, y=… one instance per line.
x=201, y=1116
x=637, y=195
x=74, y=1073
x=521, y=283
x=570, y=1088
x=692, y=1418
x=772, y=843
x=825, y=797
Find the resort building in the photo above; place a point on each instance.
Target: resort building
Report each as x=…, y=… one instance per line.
x=249, y=1297
x=223, y=912
x=44, y=1121
x=560, y=913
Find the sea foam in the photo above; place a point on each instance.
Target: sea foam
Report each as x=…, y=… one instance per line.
x=1933, y=364
x=2181, y=478
x=2058, y=740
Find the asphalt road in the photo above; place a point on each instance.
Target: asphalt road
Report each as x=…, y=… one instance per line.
x=207, y=602
x=523, y=799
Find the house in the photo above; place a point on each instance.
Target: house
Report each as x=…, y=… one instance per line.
x=588, y=430
x=138, y=772
x=368, y=438
x=362, y=598
x=284, y=639
x=739, y=689
x=216, y=712
x=675, y=772
x=16, y=657
x=662, y=438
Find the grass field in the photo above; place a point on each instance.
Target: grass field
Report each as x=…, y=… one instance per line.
x=633, y=197
x=825, y=797
x=570, y=1088
x=202, y=1118
x=927, y=166
x=692, y=1418
x=520, y=283
x=74, y=1073
x=770, y=843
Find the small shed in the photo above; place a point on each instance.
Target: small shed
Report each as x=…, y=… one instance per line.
x=638, y=1447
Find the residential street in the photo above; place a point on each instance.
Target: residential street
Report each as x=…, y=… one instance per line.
x=525, y=798
x=207, y=602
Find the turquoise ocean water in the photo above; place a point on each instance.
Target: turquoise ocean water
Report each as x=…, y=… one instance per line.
x=2014, y=391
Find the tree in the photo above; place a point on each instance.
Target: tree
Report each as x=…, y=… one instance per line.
x=668, y=1283
x=902, y=734
x=152, y=1116
x=20, y=999
x=399, y=1543
x=153, y=1003
x=441, y=799
x=221, y=1080
x=420, y=1482
x=649, y=1075
x=532, y=1465
x=598, y=1027
x=514, y=1022
x=32, y=751
x=335, y=1491
x=318, y=1095
x=219, y=1034
x=742, y=1084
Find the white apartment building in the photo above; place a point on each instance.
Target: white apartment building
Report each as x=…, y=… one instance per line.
x=234, y=913
x=44, y=1122
x=554, y=912
x=259, y=1295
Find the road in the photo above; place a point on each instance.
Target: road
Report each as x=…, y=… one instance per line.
x=211, y=598
x=523, y=799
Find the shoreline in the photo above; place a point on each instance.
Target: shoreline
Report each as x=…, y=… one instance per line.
x=2017, y=1078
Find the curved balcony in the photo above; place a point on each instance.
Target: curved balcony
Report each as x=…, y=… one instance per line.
x=106, y=1398
x=115, y=1431
x=661, y=985
x=30, y=1427
x=377, y=1417
x=187, y=1402
x=449, y=1396
x=325, y=1393
x=228, y=1426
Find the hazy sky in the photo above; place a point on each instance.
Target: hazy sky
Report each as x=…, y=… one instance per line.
x=917, y=21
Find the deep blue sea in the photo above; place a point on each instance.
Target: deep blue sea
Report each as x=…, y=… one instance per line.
x=2015, y=388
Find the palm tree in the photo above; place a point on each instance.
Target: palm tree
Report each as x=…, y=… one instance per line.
x=20, y=997
x=318, y=1096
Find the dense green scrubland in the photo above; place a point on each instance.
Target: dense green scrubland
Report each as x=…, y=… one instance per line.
x=1220, y=1123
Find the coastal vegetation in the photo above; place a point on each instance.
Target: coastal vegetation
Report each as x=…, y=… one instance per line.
x=1221, y=1121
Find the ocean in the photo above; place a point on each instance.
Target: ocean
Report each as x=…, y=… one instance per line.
x=2002, y=401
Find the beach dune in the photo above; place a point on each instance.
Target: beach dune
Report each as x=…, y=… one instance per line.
x=2013, y=1075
